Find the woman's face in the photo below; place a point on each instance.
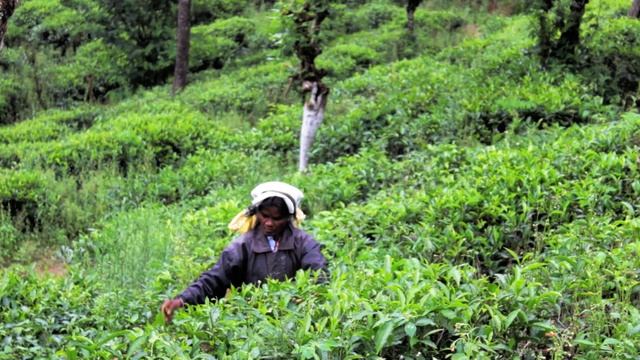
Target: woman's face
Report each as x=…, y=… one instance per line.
x=272, y=220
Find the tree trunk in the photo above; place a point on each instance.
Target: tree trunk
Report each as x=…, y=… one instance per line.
x=33, y=60
x=6, y=10
x=492, y=6
x=307, y=18
x=570, y=37
x=312, y=116
x=89, y=94
x=634, y=11
x=544, y=36
x=412, y=5
x=182, y=46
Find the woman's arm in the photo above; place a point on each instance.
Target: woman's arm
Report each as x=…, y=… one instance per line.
x=312, y=258
x=213, y=283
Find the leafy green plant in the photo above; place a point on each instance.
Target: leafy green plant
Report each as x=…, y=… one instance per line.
x=215, y=44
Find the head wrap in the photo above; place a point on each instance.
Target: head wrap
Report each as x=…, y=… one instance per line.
x=291, y=195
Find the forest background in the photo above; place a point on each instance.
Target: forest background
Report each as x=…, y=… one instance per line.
x=474, y=179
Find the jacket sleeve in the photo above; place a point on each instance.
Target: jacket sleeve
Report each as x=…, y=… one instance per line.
x=213, y=283
x=312, y=258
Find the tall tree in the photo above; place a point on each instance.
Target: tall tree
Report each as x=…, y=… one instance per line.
x=567, y=25
x=634, y=10
x=145, y=31
x=544, y=29
x=570, y=36
x=412, y=5
x=307, y=17
x=182, y=46
x=6, y=10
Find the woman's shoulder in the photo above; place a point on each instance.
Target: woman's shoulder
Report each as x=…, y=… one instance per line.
x=240, y=241
x=244, y=238
x=300, y=234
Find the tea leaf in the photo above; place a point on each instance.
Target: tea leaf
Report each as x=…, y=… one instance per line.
x=382, y=335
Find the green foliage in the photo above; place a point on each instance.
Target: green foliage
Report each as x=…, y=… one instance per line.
x=147, y=46
x=472, y=204
x=246, y=91
x=203, y=11
x=43, y=36
x=613, y=50
x=207, y=171
x=96, y=69
x=49, y=126
x=598, y=49
x=131, y=248
x=55, y=23
x=13, y=99
x=342, y=61
x=9, y=235
x=21, y=195
x=351, y=179
x=215, y=44
x=370, y=15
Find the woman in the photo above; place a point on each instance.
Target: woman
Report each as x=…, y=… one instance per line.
x=271, y=247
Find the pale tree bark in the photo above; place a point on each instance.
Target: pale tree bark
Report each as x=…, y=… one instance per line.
x=634, y=10
x=6, y=10
x=312, y=116
x=183, y=35
x=307, y=19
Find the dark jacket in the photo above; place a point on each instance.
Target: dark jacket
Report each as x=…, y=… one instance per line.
x=249, y=259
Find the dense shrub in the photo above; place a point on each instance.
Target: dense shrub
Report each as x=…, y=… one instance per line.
x=247, y=91
x=613, y=60
x=13, y=99
x=96, y=69
x=49, y=126
x=53, y=23
x=367, y=16
x=215, y=44
x=207, y=171
x=21, y=196
x=204, y=11
x=342, y=61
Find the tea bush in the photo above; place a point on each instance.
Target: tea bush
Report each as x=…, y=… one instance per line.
x=613, y=56
x=247, y=91
x=368, y=16
x=125, y=141
x=97, y=68
x=216, y=44
x=13, y=99
x=49, y=126
x=341, y=61
x=22, y=194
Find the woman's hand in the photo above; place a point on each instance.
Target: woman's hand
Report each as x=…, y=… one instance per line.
x=169, y=306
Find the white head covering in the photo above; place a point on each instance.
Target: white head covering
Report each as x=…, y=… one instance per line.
x=246, y=221
x=290, y=194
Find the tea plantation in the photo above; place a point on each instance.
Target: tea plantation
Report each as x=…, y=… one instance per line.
x=474, y=201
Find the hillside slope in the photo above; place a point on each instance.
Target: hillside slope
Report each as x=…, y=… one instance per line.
x=472, y=203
